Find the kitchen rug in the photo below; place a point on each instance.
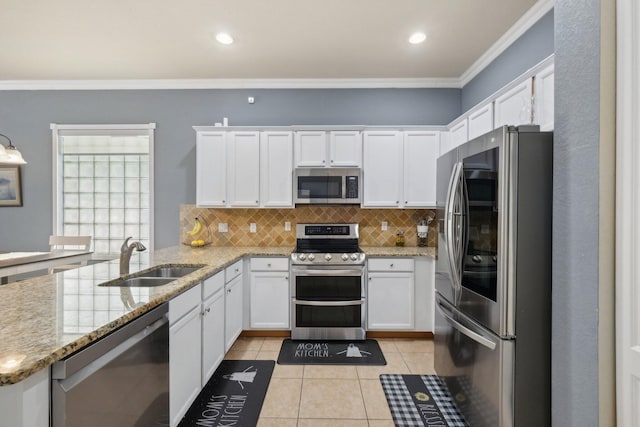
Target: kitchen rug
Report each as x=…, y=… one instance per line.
x=366, y=352
x=420, y=400
x=233, y=395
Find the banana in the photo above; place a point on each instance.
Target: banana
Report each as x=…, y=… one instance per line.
x=197, y=228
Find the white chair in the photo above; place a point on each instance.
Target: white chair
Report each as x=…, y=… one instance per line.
x=69, y=243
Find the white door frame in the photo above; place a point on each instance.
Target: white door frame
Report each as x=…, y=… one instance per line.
x=628, y=214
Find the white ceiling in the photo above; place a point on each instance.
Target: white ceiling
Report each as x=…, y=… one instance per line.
x=274, y=39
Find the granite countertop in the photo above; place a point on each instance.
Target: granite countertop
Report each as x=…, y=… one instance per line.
x=47, y=318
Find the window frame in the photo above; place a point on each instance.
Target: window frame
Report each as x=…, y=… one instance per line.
x=105, y=129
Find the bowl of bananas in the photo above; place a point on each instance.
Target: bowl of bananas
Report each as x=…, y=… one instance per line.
x=198, y=235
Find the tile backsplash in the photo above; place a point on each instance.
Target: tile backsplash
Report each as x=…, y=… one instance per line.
x=270, y=224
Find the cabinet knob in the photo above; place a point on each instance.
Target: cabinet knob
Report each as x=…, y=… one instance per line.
x=323, y=161
x=224, y=201
x=391, y=265
x=208, y=310
x=331, y=161
x=257, y=202
x=369, y=278
x=269, y=265
x=405, y=202
x=228, y=291
x=397, y=202
x=286, y=277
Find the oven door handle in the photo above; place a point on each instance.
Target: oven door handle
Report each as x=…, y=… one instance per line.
x=328, y=303
x=307, y=272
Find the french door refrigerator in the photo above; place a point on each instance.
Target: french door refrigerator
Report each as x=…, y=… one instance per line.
x=493, y=277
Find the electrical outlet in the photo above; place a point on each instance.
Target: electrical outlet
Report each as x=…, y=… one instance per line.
x=384, y=226
x=223, y=227
x=287, y=226
x=252, y=227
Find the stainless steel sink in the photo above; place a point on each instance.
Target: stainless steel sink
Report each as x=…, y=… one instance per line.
x=174, y=272
x=139, y=282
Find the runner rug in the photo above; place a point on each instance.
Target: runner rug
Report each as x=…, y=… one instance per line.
x=420, y=400
x=233, y=396
x=366, y=352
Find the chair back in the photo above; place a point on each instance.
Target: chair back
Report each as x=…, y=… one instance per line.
x=70, y=242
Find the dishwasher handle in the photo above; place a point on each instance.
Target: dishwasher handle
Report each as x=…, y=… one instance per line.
x=87, y=361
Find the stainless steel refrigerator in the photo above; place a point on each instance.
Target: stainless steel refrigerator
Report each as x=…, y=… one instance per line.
x=493, y=277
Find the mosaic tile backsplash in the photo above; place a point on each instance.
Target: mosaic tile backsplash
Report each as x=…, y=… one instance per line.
x=270, y=224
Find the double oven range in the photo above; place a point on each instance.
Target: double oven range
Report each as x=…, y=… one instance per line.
x=328, y=293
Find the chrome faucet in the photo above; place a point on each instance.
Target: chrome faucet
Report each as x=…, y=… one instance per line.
x=125, y=254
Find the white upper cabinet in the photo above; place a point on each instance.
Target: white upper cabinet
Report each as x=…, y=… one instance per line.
x=310, y=148
x=480, y=121
x=382, y=168
x=543, y=84
x=345, y=148
x=421, y=149
x=276, y=169
x=244, y=169
x=514, y=107
x=458, y=134
x=339, y=148
x=211, y=169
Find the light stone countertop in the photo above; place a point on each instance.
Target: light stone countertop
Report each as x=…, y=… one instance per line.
x=47, y=318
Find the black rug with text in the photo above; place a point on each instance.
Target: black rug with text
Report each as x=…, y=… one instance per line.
x=233, y=396
x=420, y=400
x=365, y=352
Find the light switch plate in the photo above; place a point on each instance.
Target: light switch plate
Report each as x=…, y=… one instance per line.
x=287, y=226
x=252, y=227
x=384, y=226
x=223, y=227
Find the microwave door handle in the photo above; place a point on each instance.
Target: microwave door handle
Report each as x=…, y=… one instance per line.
x=491, y=345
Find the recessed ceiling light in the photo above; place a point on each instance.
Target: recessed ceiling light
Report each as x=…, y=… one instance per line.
x=417, y=38
x=224, y=38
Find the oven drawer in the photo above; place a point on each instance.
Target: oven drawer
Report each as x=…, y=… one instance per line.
x=390, y=264
x=270, y=264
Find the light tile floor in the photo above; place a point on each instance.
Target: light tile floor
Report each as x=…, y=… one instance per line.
x=328, y=395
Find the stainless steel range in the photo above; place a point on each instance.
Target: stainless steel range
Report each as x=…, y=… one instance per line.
x=328, y=299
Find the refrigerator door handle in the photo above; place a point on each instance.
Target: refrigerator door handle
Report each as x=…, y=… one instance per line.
x=464, y=330
x=453, y=217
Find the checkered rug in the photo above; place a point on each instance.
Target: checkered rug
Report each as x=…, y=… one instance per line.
x=420, y=400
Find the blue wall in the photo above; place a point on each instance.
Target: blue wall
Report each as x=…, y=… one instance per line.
x=532, y=47
x=25, y=117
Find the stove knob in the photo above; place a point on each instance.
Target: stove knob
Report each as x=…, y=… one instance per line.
x=354, y=257
x=311, y=257
x=345, y=257
x=302, y=257
x=327, y=257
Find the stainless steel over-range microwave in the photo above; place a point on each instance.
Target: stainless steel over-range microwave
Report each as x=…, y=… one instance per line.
x=330, y=186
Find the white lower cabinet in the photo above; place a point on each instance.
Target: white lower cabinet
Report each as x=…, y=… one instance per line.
x=212, y=326
x=390, y=294
x=185, y=333
x=233, y=304
x=270, y=299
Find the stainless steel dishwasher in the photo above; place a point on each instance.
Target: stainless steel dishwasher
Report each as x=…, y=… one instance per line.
x=121, y=380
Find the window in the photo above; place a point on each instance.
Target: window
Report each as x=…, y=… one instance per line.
x=103, y=178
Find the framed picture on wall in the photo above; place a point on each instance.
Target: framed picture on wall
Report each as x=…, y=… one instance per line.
x=10, y=186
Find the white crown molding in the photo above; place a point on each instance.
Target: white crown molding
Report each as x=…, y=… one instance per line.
x=229, y=84
x=521, y=26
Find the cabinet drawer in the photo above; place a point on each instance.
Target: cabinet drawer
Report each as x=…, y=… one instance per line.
x=212, y=285
x=390, y=264
x=232, y=271
x=184, y=303
x=270, y=264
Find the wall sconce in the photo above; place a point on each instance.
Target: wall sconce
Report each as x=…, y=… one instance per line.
x=10, y=154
